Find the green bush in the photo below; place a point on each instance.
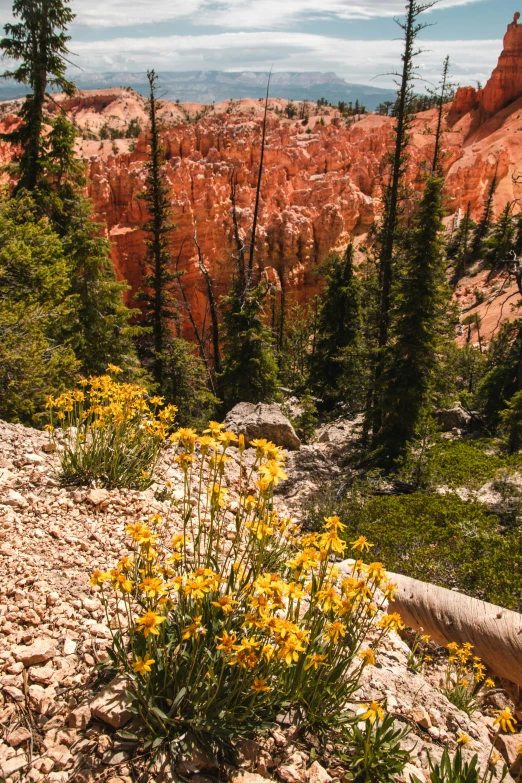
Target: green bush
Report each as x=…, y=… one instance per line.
x=464, y=464
x=436, y=538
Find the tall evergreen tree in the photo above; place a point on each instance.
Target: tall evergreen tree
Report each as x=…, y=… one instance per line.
x=178, y=374
x=500, y=245
x=484, y=225
x=503, y=376
x=387, y=236
x=36, y=310
x=100, y=332
x=38, y=42
x=419, y=323
x=249, y=364
x=157, y=297
x=459, y=246
x=335, y=363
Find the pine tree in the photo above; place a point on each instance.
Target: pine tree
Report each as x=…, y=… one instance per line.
x=337, y=347
x=39, y=43
x=503, y=376
x=459, y=246
x=419, y=324
x=500, y=246
x=484, y=225
x=249, y=364
x=387, y=236
x=159, y=306
x=35, y=312
x=100, y=333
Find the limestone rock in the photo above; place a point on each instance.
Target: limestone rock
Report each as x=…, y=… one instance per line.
x=19, y=735
x=453, y=418
x=61, y=756
x=80, y=717
x=262, y=421
x=40, y=651
x=508, y=746
x=505, y=83
x=247, y=777
x=111, y=704
x=318, y=774
x=12, y=765
x=98, y=497
x=14, y=498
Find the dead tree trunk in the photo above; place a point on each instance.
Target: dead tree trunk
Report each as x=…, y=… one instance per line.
x=448, y=616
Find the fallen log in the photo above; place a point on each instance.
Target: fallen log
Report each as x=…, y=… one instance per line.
x=449, y=616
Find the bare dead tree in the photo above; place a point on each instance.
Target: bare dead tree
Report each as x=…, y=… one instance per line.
x=212, y=304
x=194, y=325
x=240, y=247
x=258, y=188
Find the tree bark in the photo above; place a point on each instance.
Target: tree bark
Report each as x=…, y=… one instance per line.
x=448, y=616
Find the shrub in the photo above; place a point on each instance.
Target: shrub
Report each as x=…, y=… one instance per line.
x=112, y=433
x=456, y=770
x=374, y=753
x=463, y=464
x=236, y=618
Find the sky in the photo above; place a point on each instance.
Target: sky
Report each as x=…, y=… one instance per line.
x=357, y=39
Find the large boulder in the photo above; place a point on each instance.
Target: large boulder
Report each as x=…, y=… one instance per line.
x=454, y=418
x=262, y=421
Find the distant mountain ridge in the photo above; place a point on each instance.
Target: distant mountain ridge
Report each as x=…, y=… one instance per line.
x=216, y=86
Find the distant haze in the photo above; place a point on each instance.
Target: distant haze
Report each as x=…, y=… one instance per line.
x=216, y=86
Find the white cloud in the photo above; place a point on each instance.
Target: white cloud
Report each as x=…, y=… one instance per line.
x=356, y=60
x=229, y=14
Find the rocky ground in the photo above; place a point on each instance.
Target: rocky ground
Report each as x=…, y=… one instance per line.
x=53, y=725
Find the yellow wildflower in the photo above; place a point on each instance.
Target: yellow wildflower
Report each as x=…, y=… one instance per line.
x=333, y=523
x=361, y=544
x=373, y=711
x=98, y=578
x=226, y=603
x=227, y=642
x=368, y=657
x=272, y=472
x=315, y=661
x=391, y=622
x=152, y=587
x=149, y=623
x=193, y=629
x=142, y=665
x=505, y=720
x=462, y=739
x=259, y=685
x=335, y=630
x=120, y=582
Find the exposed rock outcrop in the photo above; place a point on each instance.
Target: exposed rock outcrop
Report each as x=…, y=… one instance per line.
x=262, y=421
x=322, y=184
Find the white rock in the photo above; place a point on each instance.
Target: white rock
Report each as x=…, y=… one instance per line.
x=69, y=647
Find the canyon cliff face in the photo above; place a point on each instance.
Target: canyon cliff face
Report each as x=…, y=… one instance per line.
x=322, y=181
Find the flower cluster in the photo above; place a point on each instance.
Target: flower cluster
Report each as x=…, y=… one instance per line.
x=227, y=615
x=113, y=432
x=465, y=677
